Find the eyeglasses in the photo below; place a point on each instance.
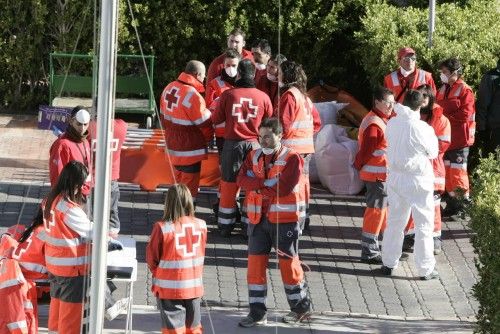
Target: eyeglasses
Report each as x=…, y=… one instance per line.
x=408, y=58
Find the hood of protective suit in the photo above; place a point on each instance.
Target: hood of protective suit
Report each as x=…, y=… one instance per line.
x=411, y=143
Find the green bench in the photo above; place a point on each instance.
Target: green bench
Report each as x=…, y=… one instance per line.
x=133, y=92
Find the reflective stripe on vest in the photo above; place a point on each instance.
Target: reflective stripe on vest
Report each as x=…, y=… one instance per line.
x=178, y=284
x=12, y=282
x=220, y=82
x=395, y=79
x=376, y=166
x=67, y=261
x=194, y=262
x=17, y=325
x=36, y=267
x=300, y=134
x=445, y=138
x=192, y=153
x=28, y=305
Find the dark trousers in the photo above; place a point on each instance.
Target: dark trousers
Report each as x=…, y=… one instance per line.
x=182, y=315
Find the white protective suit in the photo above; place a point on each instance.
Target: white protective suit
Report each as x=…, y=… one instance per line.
x=411, y=143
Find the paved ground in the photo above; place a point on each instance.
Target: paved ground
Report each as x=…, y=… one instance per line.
x=347, y=294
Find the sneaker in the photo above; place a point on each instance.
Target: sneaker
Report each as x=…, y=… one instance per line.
x=377, y=259
x=404, y=257
x=113, y=311
x=294, y=317
x=386, y=271
x=433, y=275
x=248, y=322
x=437, y=246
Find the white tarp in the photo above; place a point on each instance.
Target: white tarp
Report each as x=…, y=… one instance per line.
x=334, y=156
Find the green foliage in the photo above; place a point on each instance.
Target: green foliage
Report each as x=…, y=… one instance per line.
x=485, y=222
x=468, y=32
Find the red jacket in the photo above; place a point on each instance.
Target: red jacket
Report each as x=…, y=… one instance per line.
x=186, y=120
x=215, y=88
x=218, y=64
x=64, y=150
x=243, y=110
x=399, y=85
x=458, y=105
x=441, y=126
x=270, y=88
x=175, y=256
x=119, y=135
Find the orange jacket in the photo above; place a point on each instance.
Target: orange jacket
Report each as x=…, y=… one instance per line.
x=31, y=256
x=67, y=252
x=376, y=167
x=458, y=105
x=400, y=85
x=180, y=246
x=282, y=209
x=186, y=120
x=299, y=136
x=441, y=126
x=16, y=314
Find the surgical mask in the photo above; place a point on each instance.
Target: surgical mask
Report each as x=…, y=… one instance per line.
x=404, y=72
x=268, y=151
x=231, y=71
x=444, y=78
x=271, y=77
x=260, y=66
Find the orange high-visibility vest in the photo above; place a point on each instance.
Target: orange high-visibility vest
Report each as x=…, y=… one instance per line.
x=31, y=256
x=442, y=129
x=462, y=131
x=286, y=209
x=215, y=88
x=18, y=317
x=179, y=273
x=184, y=113
x=66, y=252
x=301, y=132
x=376, y=167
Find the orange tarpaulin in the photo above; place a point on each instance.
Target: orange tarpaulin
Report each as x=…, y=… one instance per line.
x=147, y=164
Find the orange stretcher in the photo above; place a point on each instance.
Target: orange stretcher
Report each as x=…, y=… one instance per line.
x=145, y=163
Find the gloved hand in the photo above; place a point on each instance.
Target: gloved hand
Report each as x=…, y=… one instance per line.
x=114, y=244
x=270, y=182
x=250, y=173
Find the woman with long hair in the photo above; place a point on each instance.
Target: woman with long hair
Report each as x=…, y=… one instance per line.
x=175, y=256
x=67, y=249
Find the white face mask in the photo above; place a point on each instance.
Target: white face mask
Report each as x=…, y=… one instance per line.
x=260, y=66
x=404, y=72
x=231, y=71
x=271, y=77
x=444, y=78
x=267, y=151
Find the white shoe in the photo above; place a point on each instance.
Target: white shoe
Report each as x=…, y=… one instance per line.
x=117, y=308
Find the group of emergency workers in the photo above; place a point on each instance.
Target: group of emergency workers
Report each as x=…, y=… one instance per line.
x=256, y=106
x=450, y=112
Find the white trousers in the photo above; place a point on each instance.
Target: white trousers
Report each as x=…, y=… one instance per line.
x=409, y=194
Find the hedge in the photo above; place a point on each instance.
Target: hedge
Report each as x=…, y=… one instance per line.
x=485, y=223
x=468, y=32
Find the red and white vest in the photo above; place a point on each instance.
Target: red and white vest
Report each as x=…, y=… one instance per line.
x=376, y=167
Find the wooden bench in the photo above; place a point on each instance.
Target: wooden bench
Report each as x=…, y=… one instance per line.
x=134, y=93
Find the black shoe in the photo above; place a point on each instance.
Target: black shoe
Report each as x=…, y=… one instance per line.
x=433, y=275
x=377, y=259
x=404, y=257
x=386, y=271
x=224, y=231
x=408, y=243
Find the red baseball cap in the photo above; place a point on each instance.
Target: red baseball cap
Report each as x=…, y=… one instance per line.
x=403, y=52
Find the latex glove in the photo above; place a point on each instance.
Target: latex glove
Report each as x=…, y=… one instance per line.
x=271, y=182
x=250, y=173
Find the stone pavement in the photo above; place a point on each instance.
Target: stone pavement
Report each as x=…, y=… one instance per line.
x=343, y=290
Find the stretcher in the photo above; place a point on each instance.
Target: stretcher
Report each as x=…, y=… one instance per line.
x=144, y=162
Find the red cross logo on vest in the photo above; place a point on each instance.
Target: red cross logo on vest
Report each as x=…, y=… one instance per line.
x=244, y=110
x=172, y=98
x=188, y=240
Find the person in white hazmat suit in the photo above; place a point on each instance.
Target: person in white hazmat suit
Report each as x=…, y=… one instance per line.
x=411, y=143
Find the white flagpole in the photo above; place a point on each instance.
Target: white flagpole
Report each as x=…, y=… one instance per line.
x=105, y=108
x=432, y=21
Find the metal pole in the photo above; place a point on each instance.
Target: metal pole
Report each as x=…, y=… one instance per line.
x=105, y=107
x=432, y=20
